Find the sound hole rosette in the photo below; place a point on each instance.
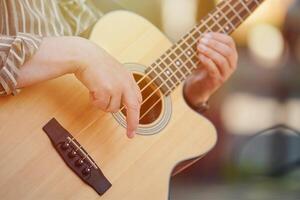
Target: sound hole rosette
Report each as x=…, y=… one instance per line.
x=165, y=114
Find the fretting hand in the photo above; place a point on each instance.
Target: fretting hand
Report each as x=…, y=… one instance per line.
x=218, y=60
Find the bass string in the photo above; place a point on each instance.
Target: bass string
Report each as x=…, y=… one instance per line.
x=153, y=93
x=173, y=50
x=145, y=76
x=174, y=73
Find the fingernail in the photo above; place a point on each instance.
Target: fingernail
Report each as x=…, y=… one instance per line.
x=208, y=35
x=202, y=47
x=131, y=134
x=204, y=40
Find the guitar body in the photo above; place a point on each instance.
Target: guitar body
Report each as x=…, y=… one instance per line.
x=140, y=168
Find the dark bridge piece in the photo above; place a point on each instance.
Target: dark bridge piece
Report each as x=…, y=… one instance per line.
x=76, y=157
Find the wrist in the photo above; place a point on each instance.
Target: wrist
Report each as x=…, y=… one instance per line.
x=55, y=57
x=199, y=104
x=72, y=49
x=194, y=96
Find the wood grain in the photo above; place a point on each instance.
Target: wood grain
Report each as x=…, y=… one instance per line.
x=140, y=168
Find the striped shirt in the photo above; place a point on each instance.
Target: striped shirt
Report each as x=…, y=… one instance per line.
x=23, y=24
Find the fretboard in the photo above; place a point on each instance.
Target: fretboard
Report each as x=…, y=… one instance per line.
x=178, y=62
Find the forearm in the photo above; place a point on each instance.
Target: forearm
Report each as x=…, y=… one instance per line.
x=195, y=88
x=55, y=57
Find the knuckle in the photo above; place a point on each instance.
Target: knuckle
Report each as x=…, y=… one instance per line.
x=113, y=109
x=107, y=89
x=222, y=80
x=134, y=105
x=98, y=105
x=228, y=52
x=222, y=62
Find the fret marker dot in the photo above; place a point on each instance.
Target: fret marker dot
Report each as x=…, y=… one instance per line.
x=189, y=53
x=168, y=72
x=177, y=63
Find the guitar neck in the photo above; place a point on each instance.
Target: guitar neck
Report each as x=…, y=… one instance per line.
x=178, y=62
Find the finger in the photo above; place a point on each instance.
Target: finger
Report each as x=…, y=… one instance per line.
x=133, y=112
x=223, y=38
x=139, y=94
x=220, y=61
x=221, y=48
x=210, y=66
x=114, y=104
x=100, y=101
x=137, y=90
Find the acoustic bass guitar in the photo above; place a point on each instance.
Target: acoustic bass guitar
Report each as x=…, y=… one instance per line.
x=37, y=151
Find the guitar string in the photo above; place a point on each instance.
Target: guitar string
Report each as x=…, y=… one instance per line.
x=182, y=53
x=192, y=32
x=195, y=29
x=172, y=75
x=146, y=75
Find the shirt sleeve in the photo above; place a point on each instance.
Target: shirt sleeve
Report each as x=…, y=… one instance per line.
x=14, y=52
x=80, y=15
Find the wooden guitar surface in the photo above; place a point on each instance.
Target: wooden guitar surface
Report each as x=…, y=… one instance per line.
x=138, y=169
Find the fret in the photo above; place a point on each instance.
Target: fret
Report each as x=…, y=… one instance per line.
x=190, y=64
x=178, y=51
x=208, y=25
x=236, y=14
x=202, y=28
x=190, y=41
x=178, y=74
x=167, y=76
x=166, y=84
x=250, y=4
x=227, y=21
x=167, y=61
x=220, y=28
x=174, y=79
x=177, y=55
x=230, y=15
x=243, y=12
x=218, y=16
x=257, y=2
x=196, y=35
x=164, y=80
x=181, y=59
x=253, y=4
x=156, y=78
x=172, y=56
x=235, y=21
x=245, y=6
x=188, y=53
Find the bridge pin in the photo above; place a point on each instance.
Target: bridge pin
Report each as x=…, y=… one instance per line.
x=79, y=163
x=65, y=146
x=72, y=154
x=86, y=171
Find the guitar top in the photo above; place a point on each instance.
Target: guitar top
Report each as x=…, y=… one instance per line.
x=170, y=132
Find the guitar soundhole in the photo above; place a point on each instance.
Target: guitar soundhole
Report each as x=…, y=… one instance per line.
x=151, y=108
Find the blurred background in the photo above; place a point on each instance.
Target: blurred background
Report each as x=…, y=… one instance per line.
x=257, y=113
